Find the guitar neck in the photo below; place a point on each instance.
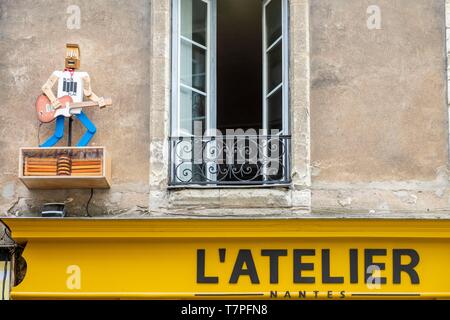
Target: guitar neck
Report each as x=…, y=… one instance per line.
x=84, y=104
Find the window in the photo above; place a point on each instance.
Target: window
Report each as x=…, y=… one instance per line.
x=229, y=119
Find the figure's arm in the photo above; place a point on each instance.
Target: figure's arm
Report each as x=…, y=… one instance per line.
x=90, y=94
x=47, y=89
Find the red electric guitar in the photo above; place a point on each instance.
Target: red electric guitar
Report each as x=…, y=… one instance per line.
x=47, y=113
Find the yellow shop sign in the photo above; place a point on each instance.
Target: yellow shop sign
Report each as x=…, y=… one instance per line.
x=239, y=259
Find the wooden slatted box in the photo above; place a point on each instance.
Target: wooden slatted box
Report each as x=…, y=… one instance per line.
x=65, y=168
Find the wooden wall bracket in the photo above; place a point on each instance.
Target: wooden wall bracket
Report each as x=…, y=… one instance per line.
x=65, y=168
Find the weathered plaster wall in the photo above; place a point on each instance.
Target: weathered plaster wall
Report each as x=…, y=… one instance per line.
x=375, y=101
x=115, y=43
x=379, y=123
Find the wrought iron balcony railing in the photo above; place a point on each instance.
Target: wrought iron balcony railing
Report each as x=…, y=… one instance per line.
x=236, y=160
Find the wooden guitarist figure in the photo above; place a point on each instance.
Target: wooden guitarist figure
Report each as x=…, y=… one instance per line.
x=75, y=84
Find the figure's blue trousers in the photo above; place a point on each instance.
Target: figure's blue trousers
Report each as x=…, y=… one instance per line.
x=59, y=131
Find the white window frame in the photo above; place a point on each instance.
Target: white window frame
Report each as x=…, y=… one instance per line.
x=211, y=113
x=210, y=48
x=211, y=78
x=285, y=67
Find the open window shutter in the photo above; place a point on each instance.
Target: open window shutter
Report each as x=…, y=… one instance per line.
x=193, y=81
x=275, y=73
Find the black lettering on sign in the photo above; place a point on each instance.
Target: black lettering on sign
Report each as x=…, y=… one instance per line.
x=326, y=277
x=353, y=265
x=368, y=261
x=222, y=252
x=407, y=268
x=299, y=266
x=244, y=257
x=201, y=278
x=273, y=255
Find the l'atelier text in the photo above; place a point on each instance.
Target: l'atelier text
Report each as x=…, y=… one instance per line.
x=244, y=266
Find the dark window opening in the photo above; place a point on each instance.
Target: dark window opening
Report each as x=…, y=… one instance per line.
x=239, y=64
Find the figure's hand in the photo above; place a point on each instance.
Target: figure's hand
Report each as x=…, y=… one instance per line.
x=56, y=104
x=101, y=102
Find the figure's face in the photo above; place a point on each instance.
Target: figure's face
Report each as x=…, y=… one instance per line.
x=72, y=56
